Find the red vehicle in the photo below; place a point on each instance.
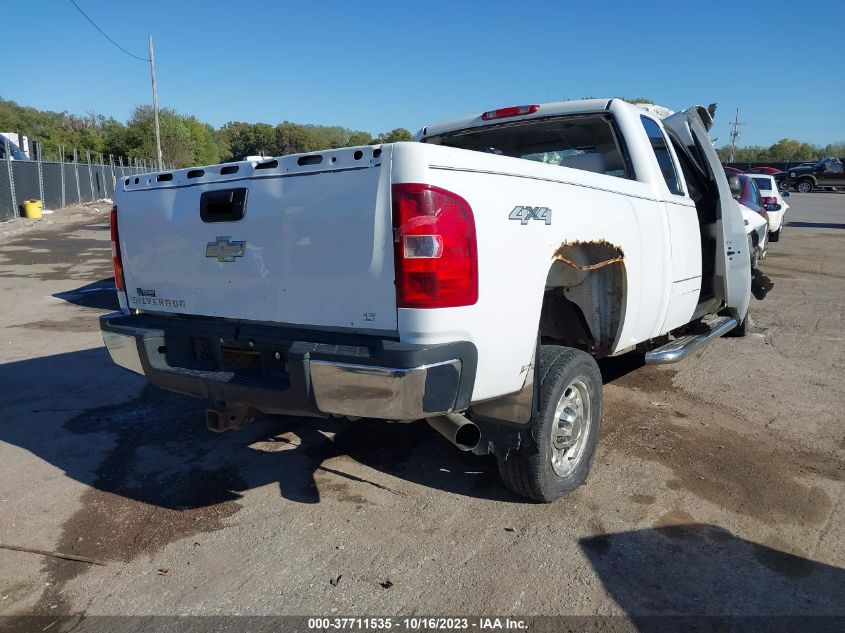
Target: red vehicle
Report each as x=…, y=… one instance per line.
x=770, y=171
x=732, y=171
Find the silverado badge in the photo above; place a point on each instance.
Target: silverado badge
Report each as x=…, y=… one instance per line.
x=224, y=249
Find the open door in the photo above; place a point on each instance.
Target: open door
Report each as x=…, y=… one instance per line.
x=732, y=265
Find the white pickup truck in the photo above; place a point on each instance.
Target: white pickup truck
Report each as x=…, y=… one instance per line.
x=471, y=278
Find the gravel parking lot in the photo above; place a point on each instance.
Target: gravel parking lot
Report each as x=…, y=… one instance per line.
x=718, y=487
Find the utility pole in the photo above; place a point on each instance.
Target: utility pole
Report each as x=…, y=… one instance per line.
x=155, y=105
x=734, y=135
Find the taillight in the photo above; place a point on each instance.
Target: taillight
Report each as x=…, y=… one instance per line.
x=504, y=113
x=770, y=200
x=434, y=248
x=115, y=254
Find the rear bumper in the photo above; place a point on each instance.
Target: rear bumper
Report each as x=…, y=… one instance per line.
x=293, y=371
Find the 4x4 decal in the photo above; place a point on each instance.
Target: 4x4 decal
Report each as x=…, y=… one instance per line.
x=525, y=214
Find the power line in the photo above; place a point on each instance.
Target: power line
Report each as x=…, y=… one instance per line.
x=151, y=60
x=734, y=135
x=794, y=127
x=94, y=24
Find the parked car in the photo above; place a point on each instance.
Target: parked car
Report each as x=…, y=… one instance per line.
x=772, y=196
x=757, y=228
x=471, y=278
x=745, y=191
x=827, y=173
x=732, y=171
x=779, y=175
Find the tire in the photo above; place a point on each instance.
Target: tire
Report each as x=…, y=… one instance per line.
x=804, y=186
x=570, y=387
x=774, y=236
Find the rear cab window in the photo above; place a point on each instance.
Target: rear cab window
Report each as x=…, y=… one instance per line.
x=660, y=147
x=764, y=184
x=589, y=142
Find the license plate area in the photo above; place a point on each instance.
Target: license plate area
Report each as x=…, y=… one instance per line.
x=243, y=362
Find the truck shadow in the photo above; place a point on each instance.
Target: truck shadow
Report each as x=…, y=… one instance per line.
x=154, y=448
x=706, y=575
x=816, y=225
x=99, y=294
x=613, y=368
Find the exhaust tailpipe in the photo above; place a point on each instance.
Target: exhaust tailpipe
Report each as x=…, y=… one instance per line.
x=457, y=429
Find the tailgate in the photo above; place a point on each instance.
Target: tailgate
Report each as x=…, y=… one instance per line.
x=303, y=240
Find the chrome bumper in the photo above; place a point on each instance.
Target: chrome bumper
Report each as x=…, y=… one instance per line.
x=385, y=392
x=123, y=350
x=337, y=388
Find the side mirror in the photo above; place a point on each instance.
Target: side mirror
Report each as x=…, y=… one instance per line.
x=773, y=207
x=785, y=194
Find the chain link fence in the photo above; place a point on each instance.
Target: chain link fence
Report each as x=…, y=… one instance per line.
x=61, y=183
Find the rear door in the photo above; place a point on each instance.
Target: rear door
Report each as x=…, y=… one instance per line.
x=732, y=279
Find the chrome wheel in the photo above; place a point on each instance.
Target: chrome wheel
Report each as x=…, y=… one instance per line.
x=571, y=428
x=557, y=451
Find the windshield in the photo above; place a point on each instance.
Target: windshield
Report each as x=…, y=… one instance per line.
x=587, y=142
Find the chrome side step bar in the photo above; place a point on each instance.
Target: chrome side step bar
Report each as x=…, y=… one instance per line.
x=682, y=346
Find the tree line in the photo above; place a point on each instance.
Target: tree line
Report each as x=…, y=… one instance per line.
x=185, y=140
x=785, y=150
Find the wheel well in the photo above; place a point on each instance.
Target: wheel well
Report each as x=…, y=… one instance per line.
x=562, y=322
x=584, y=299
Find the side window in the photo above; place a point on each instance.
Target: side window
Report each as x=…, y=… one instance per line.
x=755, y=192
x=834, y=167
x=661, y=152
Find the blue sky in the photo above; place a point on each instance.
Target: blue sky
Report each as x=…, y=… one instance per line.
x=379, y=65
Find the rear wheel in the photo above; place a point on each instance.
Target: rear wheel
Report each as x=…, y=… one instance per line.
x=555, y=458
x=774, y=236
x=804, y=186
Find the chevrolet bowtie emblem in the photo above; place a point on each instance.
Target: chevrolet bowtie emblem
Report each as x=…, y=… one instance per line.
x=225, y=250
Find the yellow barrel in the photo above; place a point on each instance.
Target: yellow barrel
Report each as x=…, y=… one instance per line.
x=32, y=209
